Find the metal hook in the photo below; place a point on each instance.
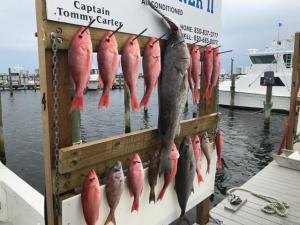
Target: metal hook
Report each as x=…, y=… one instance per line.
x=196, y=42
x=159, y=39
x=225, y=52
x=114, y=32
x=136, y=37
x=174, y=45
x=219, y=46
x=87, y=27
x=206, y=45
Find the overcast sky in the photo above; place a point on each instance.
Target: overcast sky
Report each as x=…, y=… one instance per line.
x=245, y=24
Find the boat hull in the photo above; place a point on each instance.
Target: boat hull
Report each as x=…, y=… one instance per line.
x=253, y=101
x=93, y=85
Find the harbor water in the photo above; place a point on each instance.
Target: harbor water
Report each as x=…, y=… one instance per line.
x=247, y=147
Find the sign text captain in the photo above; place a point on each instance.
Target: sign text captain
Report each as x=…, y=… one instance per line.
x=199, y=4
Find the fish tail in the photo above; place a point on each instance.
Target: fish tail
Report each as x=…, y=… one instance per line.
x=152, y=196
x=134, y=103
x=104, y=100
x=111, y=218
x=182, y=218
x=135, y=205
x=206, y=95
x=196, y=95
x=146, y=98
x=162, y=193
x=208, y=168
x=165, y=163
x=77, y=102
x=199, y=176
x=219, y=164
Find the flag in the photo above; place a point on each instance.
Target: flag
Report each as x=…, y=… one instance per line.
x=280, y=24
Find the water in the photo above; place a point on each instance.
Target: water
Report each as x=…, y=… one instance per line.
x=247, y=149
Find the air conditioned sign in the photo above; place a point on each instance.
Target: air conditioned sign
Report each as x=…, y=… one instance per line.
x=199, y=19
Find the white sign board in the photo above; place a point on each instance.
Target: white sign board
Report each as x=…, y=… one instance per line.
x=199, y=19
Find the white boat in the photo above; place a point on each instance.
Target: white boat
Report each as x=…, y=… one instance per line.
x=94, y=80
x=249, y=93
x=20, y=204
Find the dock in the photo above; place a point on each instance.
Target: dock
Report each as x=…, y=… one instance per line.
x=275, y=181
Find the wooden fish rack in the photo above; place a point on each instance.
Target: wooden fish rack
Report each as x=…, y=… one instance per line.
x=75, y=161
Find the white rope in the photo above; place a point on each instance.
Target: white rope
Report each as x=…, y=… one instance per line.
x=275, y=206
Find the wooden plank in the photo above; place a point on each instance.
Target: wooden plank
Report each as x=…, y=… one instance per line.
x=102, y=154
x=294, y=94
x=224, y=219
x=85, y=155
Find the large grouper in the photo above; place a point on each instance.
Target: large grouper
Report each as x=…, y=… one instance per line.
x=172, y=90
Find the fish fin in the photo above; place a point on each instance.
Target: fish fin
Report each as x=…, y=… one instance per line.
x=200, y=178
x=182, y=218
x=152, y=196
x=219, y=165
x=196, y=95
x=104, y=100
x=146, y=98
x=111, y=218
x=165, y=164
x=135, y=205
x=162, y=193
x=77, y=102
x=134, y=103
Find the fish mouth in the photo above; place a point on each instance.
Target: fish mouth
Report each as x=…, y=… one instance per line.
x=169, y=21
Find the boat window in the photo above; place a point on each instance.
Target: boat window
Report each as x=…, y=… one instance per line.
x=263, y=59
x=287, y=60
x=94, y=71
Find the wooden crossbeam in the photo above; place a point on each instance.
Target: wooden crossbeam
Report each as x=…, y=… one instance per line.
x=75, y=161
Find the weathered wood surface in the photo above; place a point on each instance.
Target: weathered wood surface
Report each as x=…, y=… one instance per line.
x=293, y=119
x=275, y=181
x=75, y=161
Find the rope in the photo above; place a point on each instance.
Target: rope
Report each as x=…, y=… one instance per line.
x=275, y=206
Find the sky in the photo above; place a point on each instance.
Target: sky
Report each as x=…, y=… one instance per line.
x=245, y=24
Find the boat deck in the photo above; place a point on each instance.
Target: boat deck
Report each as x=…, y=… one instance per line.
x=273, y=180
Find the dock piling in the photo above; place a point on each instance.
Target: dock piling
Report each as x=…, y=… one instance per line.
x=268, y=106
x=127, y=109
x=10, y=82
x=2, y=149
x=232, y=87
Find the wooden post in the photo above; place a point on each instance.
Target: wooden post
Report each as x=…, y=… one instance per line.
x=268, y=106
x=127, y=109
x=232, y=87
x=2, y=149
x=10, y=83
x=294, y=94
x=203, y=212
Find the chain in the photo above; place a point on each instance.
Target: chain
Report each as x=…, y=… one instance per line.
x=55, y=120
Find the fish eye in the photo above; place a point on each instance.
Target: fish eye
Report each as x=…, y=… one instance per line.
x=197, y=142
x=92, y=178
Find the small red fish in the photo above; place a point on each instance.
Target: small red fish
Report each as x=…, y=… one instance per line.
x=197, y=152
x=219, y=146
x=130, y=62
x=170, y=176
x=108, y=62
x=79, y=64
x=195, y=71
x=151, y=68
x=135, y=180
x=216, y=70
x=90, y=198
x=208, y=69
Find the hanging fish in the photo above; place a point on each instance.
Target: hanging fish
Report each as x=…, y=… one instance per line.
x=197, y=153
x=130, y=62
x=151, y=68
x=219, y=146
x=135, y=180
x=170, y=176
x=79, y=64
x=216, y=70
x=185, y=175
x=113, y=189
x=208, y=64
x=205, y=146
x=90, y=198
x=108, y=62
x=172, y=90
x=195, y=71
x=152, y=175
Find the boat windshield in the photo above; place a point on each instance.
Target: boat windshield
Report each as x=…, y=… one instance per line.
x=94, y=71
x=263, y=59
x=287, y=60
